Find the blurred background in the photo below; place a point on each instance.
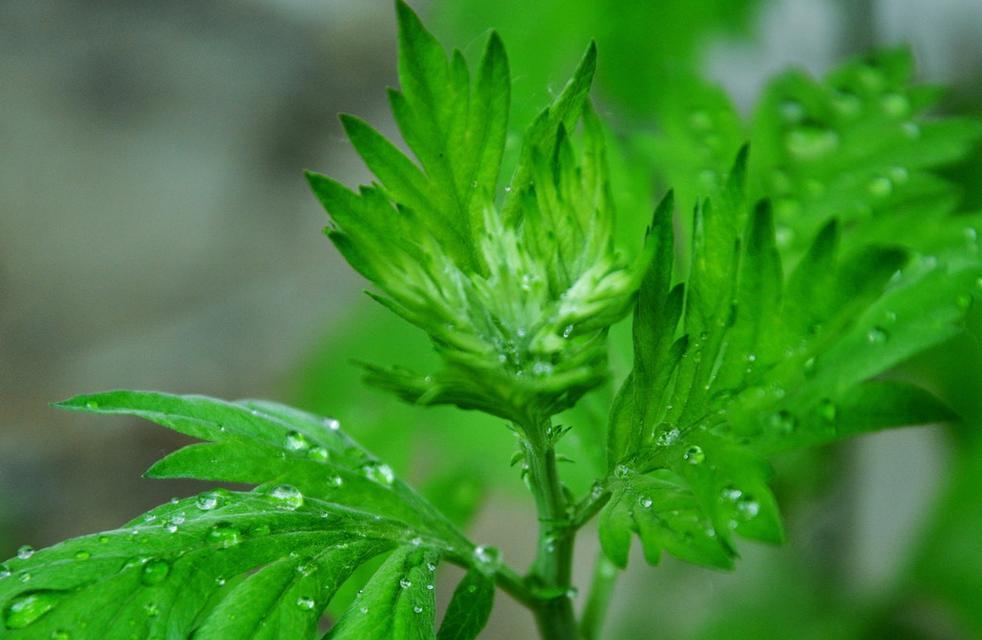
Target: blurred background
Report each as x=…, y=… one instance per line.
x=156, y=232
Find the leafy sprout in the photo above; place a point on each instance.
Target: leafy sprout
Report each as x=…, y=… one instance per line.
x=816, y=259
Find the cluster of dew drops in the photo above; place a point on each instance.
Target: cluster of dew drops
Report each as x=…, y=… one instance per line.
x=28, y=607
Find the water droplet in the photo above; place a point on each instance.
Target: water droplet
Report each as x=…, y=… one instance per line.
x=847, y=103
x=306, y=603
x=694, y=455
x=895, y=105
x=809, y=366
x=748, y=507
x=296, y=441
x=155, y=572
x=792, y=111
x=486, y=555
x=29, y=607
x=320, y=454
x=700, y=121
x=405, y=584
x=208, y=501
x=417, y=609
x=783, y=235
x=731, y=493
x=151, y=609
x=783, y=422
x=880, y=187
x=224, y=535
x=363, y=610
x=623, y=471
x=431, y=567
x=877, y=335
x=568, y=331
x=4, y=571
x=337, y=481
x=287, y=497
x=572, y=592
x=827, y=410
x=91, y=404
x=332, y=424
x=25, y=552
x=380, y=473
x=708, y=177
x=305, y=569
x=809, y=142
x=668, y=435
x=645, y=502
x=220, y=581
x=61, y=634
x=82, y=555
x=899, y=175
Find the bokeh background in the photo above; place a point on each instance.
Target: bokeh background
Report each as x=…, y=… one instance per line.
x=156, y=232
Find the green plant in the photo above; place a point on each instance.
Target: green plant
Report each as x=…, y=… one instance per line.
x=768, y=329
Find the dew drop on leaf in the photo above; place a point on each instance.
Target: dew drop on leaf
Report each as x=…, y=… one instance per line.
x=645, y=502
x=380, y=473
x=748, y=507
x=25, y=552
x=208, y=501
x=622, y=471
x=61, y=634
x=488, y=556
x=405, y=584
x=306, y=603
x=694, y=455
x=27, y=608
x=224, y=535
x=699, y=120
x=320, y=454
x=895, y=105
x=847, y=103
x=783, y=422
x=899, y=175
x=809, y=142
x=287, y=497
x=792, y=111
x=417, y=609
x=296, y=441
x=332, y=424
x=151, y=609
x=155, y=572
x=82, y=554
x=877, y=335
x=4, y=571
x=880, y=187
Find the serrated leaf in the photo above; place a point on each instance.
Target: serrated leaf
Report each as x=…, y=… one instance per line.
x=173, y=572
x=395, y=603
x=238, y=565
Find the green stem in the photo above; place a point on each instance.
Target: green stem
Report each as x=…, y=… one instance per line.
x=605, y=576
x=551, y=572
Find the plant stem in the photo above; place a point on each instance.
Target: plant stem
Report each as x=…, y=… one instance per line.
x=551, y=572
x=605, y=576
